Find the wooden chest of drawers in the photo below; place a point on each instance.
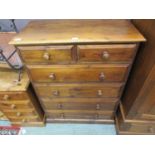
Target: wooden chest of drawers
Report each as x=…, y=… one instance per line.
x=17, y=99
x=78, y=67
x=136, y=114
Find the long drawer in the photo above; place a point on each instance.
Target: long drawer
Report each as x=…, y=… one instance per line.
x=106, y=53
x=95, y=104
x=79, y=90
x=79, y=73
x=75, y=114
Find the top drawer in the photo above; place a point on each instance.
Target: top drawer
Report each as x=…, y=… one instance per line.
x=106, y=53
x=47, y=54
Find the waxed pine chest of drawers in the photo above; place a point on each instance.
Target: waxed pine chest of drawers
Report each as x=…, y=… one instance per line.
x=78, y=67
x=18, y=101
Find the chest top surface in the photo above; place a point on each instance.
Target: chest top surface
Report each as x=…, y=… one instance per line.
x=8, y=80
x=77, y=31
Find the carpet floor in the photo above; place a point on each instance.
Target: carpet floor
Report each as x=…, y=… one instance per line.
x=67, y=129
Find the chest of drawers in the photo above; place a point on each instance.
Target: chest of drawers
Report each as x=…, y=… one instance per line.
x=17, y=99
x=78, y=67
x=136, y=114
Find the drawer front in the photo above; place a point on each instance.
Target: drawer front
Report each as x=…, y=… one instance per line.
x=79, y=114
x=24, y=119
x=79, y=90
x=79, y=106
x=47, y=54
x=79, y=73
x=142, y=128
x=15, y=105
x=2, y=116
x=106, y=53
x=105, y=104
x=9, y=96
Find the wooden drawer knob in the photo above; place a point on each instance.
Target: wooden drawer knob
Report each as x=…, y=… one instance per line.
x=13, y=106
x=105, y=55
x=56, y=93
x=59, y=106
x=101, y=76
x=18, y=114
x=46, y=56
x=96, y=116
x=99, y=93
x=1, y=115
x=97, y=107
x=6, y=97
x=24, y=120
x=62, y=115
x=52, y=76
x=151, y=129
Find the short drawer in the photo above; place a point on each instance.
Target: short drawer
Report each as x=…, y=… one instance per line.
x=80, y=104
x=106, y=53
x=10, y=96
x=79, y=90
x=16, y=105
x=47, y=54
x=79, y=73
x=24, y=119
x=20, y=113
x=79, y=114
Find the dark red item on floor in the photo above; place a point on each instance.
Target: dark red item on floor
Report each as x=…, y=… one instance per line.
x=9, y=130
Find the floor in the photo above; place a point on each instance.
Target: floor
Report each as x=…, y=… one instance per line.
x=67, y=129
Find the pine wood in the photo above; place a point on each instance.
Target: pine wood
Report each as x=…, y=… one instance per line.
x=17, y=101
x=117, y=53
x=76, y=90
x=90, y=104
x=133, y=126
x=79, y=73
x=56, y=54
x=138, y=99
x=77, y=31
x=67, y=55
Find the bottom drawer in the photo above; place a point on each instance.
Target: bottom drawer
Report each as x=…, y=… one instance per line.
x=24, y=119
x=139, y=128
x=75, y=114
x=132, y=126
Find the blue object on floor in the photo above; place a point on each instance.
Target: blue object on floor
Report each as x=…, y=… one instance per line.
x=68, y=129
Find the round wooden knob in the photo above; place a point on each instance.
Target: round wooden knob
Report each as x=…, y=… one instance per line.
x=56, y=93
x=1, y=115
x=96, y=116
x=151, y=130
x=6, y=97
x=52, y=76
x=46, y=56
x=97, y=107
x=59, y=106
x=13, y=106
x=18, y=114
x=99, y=92
x=62, y=115
x=24, y=120
x=102, y=76
x=105, y=55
